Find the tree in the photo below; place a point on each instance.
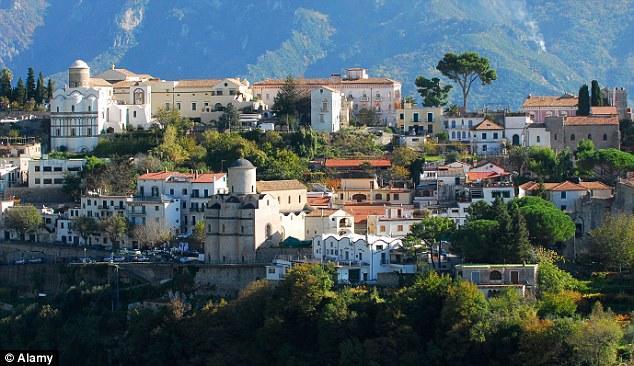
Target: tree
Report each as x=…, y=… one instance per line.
x=583, y=108
x=40, y=90
x=596, y=339
x=434, y=95
x=230, y=119
x=23, y=219
x=476, y=241
x=547, y=224
x=5, y=83
x=481, y=210
x=116, y=227
x=290, y=102
x=198, y=233
x=368, y=117
x=464, y=69
x=284, y=164
x=151, y=234
x=85, y=226
x=173, y=118
x=612, y=243
x=50, y=86
x=431, y=230
x=520, y=248
x=586, y=155
x=170, y=149
x=30, y=84
x=596, y=99
x=19, y=94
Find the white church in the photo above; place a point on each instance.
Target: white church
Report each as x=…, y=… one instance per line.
x=85, y=109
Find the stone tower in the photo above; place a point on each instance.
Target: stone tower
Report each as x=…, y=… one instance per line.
x=79, y=75
x=241, y=177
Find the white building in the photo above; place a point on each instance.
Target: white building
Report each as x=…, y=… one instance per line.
x=492, y=279
x=86, y=109
x=383, y=95
x=359, y=258
x=459, y=128
x=325, y=109
x=328, y=221
x=192, y=189
x=515, y=126
x=50, y=173
x=487, y=138
x=537, y=135
x=568, y=196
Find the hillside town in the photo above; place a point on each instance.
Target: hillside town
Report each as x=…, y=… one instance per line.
x=252, y=180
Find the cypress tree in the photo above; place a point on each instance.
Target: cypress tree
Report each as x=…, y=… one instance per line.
x=504, y=241
x=40, y=89
x=521, y=248
x=584, y=101
x=19, y=94
x=597, y=98
x=5, y=83
x=49, y=89
x=30, y=84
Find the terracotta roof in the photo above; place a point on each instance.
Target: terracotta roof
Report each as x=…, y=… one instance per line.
x=488, y=125
x=201, y=83
x=279, y=185
x=361, y=212
x=564, y=186
x=591, y=120
x=594, y=185
x=355, y=163
x=609, y=110
x=318, y=212
x=473, y=176
x=318, y=201
x=550, y=101
x=333, y=83
x=194, y=178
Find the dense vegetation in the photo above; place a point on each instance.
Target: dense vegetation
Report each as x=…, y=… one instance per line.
x=307, y=321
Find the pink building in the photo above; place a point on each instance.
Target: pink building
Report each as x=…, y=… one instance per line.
x=540, y=107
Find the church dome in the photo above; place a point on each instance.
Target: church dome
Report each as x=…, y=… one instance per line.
x=242, y=163
x=79, y=64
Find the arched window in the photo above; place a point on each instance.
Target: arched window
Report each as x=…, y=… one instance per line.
x=589, y=137
x=72, y=108
x=516, y=140
x=495, y=276
x=269, y=231
x=139, y=96
x=218, y=107
x=538, y=139
x=605, y=137
x=572, y=137
x=378, y=196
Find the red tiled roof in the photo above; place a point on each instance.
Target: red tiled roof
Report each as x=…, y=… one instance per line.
x=564, y=186
x=609, y=110
x=550, y=101
x=318, y=201
x=318, y=212
x=591, y=120
x=473, y=176
x=488, y=125
x=194, y=178
x=361, y=212
x=355, y=163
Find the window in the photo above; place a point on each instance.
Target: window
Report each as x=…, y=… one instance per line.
x=134, y=114
x=563, y=207
x=430, y=117
x=72, y=132
x=563, y=195
x=555, y=137
x=184, y=191
x=415, y=117
x=57, y=169
x=589, y=137
x=572, y=137
x=401, y=116
x=57, y=132
x=193, y=106
x=453, y=134
x=47, y=168
x=396, y=196
x=178, y=106
x=58, y=181
x=495, y=276
x=156, y=208
x=48, y=181
x=139, y=96
x=167, y=106
x=89, y=132
x=89, y=108
x=605, y=137
x=268, y=231
x=399, y=228
x=72, y=108
x=37, y=168
x=484, y=136
x=484, y=148
x=495, y=135
x=538, y=139
x=475, y=277
x=453, y=123
x=37, y=180
x=382, y=228
x=470, y=124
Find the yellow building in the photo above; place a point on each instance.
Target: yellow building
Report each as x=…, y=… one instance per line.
x=412, y=120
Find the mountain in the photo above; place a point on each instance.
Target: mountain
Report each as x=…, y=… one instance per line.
x=537, y=46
